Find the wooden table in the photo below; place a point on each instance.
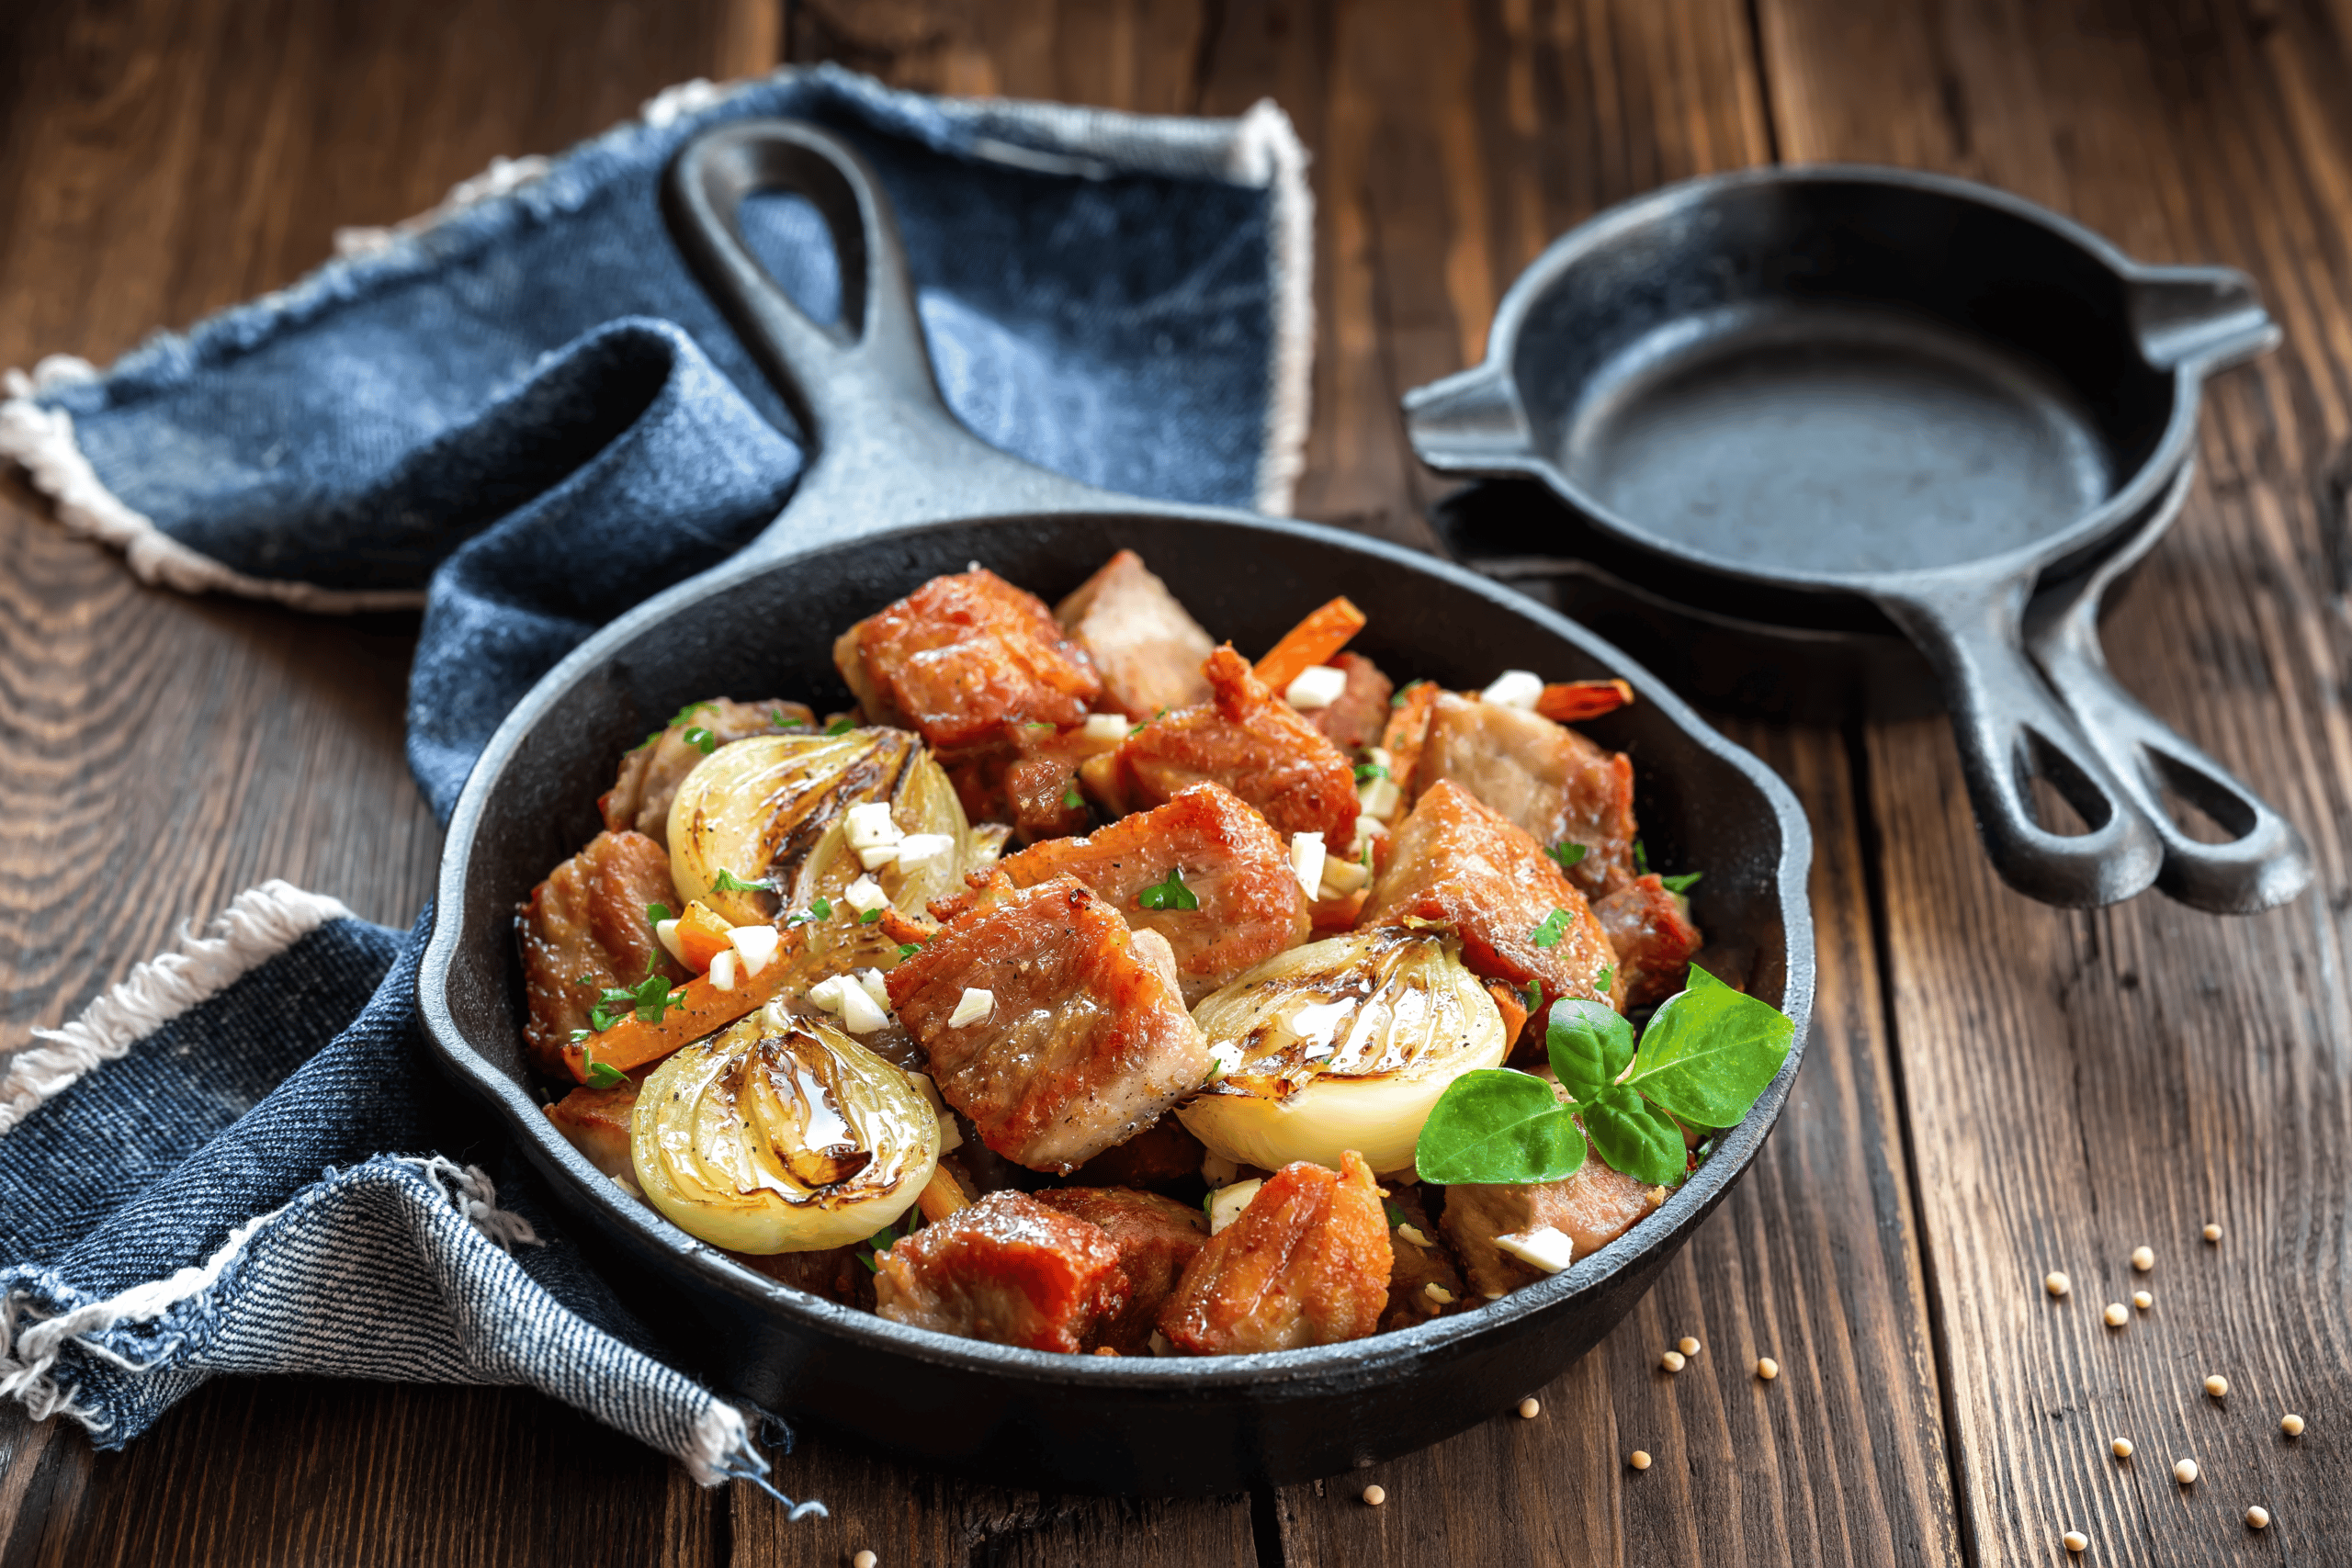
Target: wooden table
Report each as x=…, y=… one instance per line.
x=1995, y=1088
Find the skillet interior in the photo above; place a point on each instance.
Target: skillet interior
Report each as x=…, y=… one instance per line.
x=1029, y=1418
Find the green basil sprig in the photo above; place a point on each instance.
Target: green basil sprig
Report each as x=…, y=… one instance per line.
x=1706, y=1056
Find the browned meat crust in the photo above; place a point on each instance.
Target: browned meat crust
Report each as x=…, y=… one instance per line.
x=1087, y=1042
x=587, y=919
x=1592, y=1207
x=1543, y=776
x=1457, y=862
x=1652, y=937
x=963, y=657
x=1007, y=1269
x=597, y=1121
x=651, y=776
x=1146, y=647
x=1356, y=718
x=1156, y=1236
x=834, y=1273
x=1162, y=1155
x=1419, y=1264
x=1307, y=1263
x=1237, y=866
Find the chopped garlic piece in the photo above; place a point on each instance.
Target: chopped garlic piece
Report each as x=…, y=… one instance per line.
x=916, y=849
x=1105, y=728
x=1514, y=689
x=868, y=824
x=1341, y=877
x=756, y=945
x=929, y=1089
x=841, y=994
x=1318, y=686
x=1227, y=1203
x=1307, y=856
x=1379, y=799
x=827, y=993
x=1438, y=1293
x=974, y=1006
x=951, y=1136
x=1542, y=1247
x=666, y=932
x=1223, y=1057
x=722, y=969
x=1218, y=1170
x=1413, y=1234
x=864, y=896
x=877, y=856
x=871, y=981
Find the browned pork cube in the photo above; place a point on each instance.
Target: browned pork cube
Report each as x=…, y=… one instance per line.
x=1147, y=649
x=1592, y=1206
x=651, y=776
x=1455, y=862
x=963, y=657
x=1355, y=718
x=1007, y=1269
x=1083, y=1042
x=1162, y=1155
x=1653, y=936
x=1422, y=1262
x=1307, y=1263
x=597, y=1121
x=1156, y=1236
x=1249, y=740
x=833, y=1273
x=1551, y=780
x=1236, y=867
x=587, y=921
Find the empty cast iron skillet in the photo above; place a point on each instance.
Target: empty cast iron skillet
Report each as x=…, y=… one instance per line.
x=899, y=493
x=1840, y=398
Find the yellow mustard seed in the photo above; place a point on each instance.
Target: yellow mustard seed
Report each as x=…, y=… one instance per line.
x=1375, y=1496
x=2122, y=1447
x=1529, y=1407
x=2292, y=1424
x=1672, y=1361
x=1768, y=1368
x=2116, y=1315
x=2143, y=1300
x=2078, y=1541
x=2257, y=1518
x=2143, y=1258
x=1688, y=1346
x=2185, y=1472
x=1639, y=1460
x=2217, y=1385
x=2056, y=1283
x=2212, y=1233
x=863, y=1560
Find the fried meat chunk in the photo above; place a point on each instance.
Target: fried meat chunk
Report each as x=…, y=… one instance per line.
x=1545, y=777
x=1592, y=1206
x=1156, y=1236
x=833, y=1273
x=1355, y=718
x=1160, y=1155
x=1086, y=1042
x=1030, y=781
x=596, y=1121
x=1422, y=1260
x=586, y=922
x=1247, y=740
x=1238, y=868
x=1307, y=1263
x=651, y=776
x=1455, y=860
x=1146, y=647
x=1653, y=936
x=1007, y=1269
x=961, y=657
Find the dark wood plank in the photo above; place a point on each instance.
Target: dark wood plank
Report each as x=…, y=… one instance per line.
x=159, y=160
x=2081, y=1084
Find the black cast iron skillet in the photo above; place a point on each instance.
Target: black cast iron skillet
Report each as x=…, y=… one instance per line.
x=899, y=493
x=1851, y=400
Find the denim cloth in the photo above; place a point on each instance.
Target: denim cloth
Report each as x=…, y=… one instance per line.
x=523, y=409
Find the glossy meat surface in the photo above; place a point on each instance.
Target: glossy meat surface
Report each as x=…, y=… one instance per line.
x=1162, y=1155
x=1456, y=862
x=596, y=1121
x=1592, y=1206
x=1545, y=777
x=1247, y=740
x=588, y=919
x=1087, y=1042
x=649, y=775
x=1145, y=646
x=1356, y=718
x=963, y=657
x=1307, y=1263
x=1007, y=1269
x=1652, y=937
x=1156, y=1236
x=1251, y=905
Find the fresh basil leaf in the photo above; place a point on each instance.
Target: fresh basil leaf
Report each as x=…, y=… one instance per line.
x=603, y=1075
x=1680, y=884
x=1636, y=1137
x=1555, y=927
x=1170, y=895
x=1567, y=853
x=1710, y=1050
x=1589, y=1044
x=1492, y=1125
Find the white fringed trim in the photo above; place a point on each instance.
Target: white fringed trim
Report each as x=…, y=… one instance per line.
x=1267, y=151
x=258, y=925
x=477, y=1198
x=504, y=176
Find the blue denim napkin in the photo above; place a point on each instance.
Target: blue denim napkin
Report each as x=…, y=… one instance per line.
x=519, y=411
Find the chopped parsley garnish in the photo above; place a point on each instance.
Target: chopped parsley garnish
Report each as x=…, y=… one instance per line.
x=1555, y=927
x=818, y=910
x=840, y=726
x=687, y=711
x=603, y=1075
x=1396, y=1214
x=1680, y=884
x=1170, y=895
x=1567, y=853
x=784, y=720
x=1035, y=723
x=1367, y=772
x=650, y=998
x=657, y=913
x=868, y=918
x=701, y=738
x=1072, y=800
x=1641, y=859
x=728, y=882
x=1606, y=978
x=907, y=949
x=1533, y=996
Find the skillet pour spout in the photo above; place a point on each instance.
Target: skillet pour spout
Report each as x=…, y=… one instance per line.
x=1857, y=396
x=899, y=493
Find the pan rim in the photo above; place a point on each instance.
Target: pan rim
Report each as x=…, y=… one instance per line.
x=1315, y=1368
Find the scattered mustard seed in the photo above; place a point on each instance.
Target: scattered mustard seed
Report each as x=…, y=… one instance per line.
x=1639, y=1459
x=2258, y=1517
x=1375, y=1496
x=1529, y=1407
x=2217, y=1385
x=1672, y=1361
x=2057, y=1285
x=2185, y=1472
x=1688, y=1346
x=2292, y=1424
x=2122, y=1447
x=2078, y=1541
x=1768, y=1368
x=2116, y=1315
x=2143, y=1300
x=2212, y=1233
x=2143, y=1258
x=863, y=1560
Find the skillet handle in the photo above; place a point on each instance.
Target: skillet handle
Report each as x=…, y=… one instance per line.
x=887, y=449
x=2266, y=862
x=2008, y=725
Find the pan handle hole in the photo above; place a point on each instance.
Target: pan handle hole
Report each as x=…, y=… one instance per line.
x=788, y=235
x=2203, y=807
x=2065, y=802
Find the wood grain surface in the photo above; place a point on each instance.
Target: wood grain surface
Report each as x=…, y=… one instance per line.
x=1995, y=1089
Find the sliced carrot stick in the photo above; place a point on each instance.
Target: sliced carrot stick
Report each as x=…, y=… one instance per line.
x=697, y=1010
x=1408, y=732
x=1313, y=641
x=701, y=936
x=941, y=1196
x=1512, y=1006
x=1565, y=702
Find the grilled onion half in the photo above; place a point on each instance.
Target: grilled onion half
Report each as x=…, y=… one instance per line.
x=781, y=1134
x=1344, y=1043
